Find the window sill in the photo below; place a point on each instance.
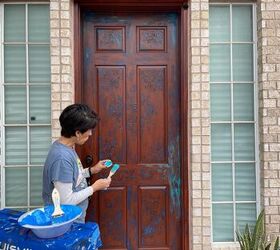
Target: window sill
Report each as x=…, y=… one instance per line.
x=225, y=246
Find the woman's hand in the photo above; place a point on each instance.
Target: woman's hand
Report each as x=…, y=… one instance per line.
x=101, y=184
x=98, y=167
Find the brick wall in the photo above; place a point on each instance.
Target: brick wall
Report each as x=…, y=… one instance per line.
x=200, y=214
x=268, y=14
x=62, y=79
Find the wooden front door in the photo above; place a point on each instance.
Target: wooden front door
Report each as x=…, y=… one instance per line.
x=132, y=79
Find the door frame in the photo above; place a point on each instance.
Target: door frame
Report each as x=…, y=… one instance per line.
x=181, y=8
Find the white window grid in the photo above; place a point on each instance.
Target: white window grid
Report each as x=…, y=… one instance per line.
x=28, y=125
x=232, y=122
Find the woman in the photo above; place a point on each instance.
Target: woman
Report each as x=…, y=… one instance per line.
x=63, y=169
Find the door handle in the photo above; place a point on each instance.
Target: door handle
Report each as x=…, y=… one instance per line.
x=89, y=160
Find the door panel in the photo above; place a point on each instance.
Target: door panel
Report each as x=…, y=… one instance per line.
x=131, y=78
x=111, y=101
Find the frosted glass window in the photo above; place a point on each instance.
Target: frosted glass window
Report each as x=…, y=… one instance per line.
x=233, y=121
x=245, y=214
x=39, y=64
x=16, y=146
x=219, y=28
x=243, y=101
x=14, y=19
x=16, y=186
x=242, y=59
x=14, y=64
x=219, y=63
x=38, y=23
x=221, y=142
x=242, y=17
x=40, y=140
x=222, y=221
x=15, y=104
x=222, y=182
x=220, y=102
x=245, y=182
x=36, y=175
x=40, y=104
x=26, y=101
x=244, y=142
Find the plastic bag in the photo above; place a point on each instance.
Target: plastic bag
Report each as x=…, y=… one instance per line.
x=14, y=237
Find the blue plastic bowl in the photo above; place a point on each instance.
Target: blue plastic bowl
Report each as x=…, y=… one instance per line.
x=44, y=226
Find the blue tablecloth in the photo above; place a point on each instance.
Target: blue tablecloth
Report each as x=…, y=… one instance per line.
x=15, y=237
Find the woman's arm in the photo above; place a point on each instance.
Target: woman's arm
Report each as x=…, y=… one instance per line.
x=87, y=172
x=67, y=196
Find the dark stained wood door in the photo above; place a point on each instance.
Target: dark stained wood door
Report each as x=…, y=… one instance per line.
x=131, y=78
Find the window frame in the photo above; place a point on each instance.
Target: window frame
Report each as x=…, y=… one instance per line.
x=232, y=122
x=26, y=125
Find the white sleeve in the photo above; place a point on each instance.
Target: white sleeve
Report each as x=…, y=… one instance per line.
x=67, y=196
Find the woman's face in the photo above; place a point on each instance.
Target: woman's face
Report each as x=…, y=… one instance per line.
x=81, y=138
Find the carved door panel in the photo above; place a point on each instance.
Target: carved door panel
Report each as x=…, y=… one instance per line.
x=131, y=78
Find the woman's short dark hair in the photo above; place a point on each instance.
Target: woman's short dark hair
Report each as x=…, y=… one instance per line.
x=77, y=117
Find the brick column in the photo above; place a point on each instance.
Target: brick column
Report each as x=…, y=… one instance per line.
x=268, y=15
x=200, y=214
x=61, y=35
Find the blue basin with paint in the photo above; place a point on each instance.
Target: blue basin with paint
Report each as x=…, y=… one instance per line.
x=43, y=225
